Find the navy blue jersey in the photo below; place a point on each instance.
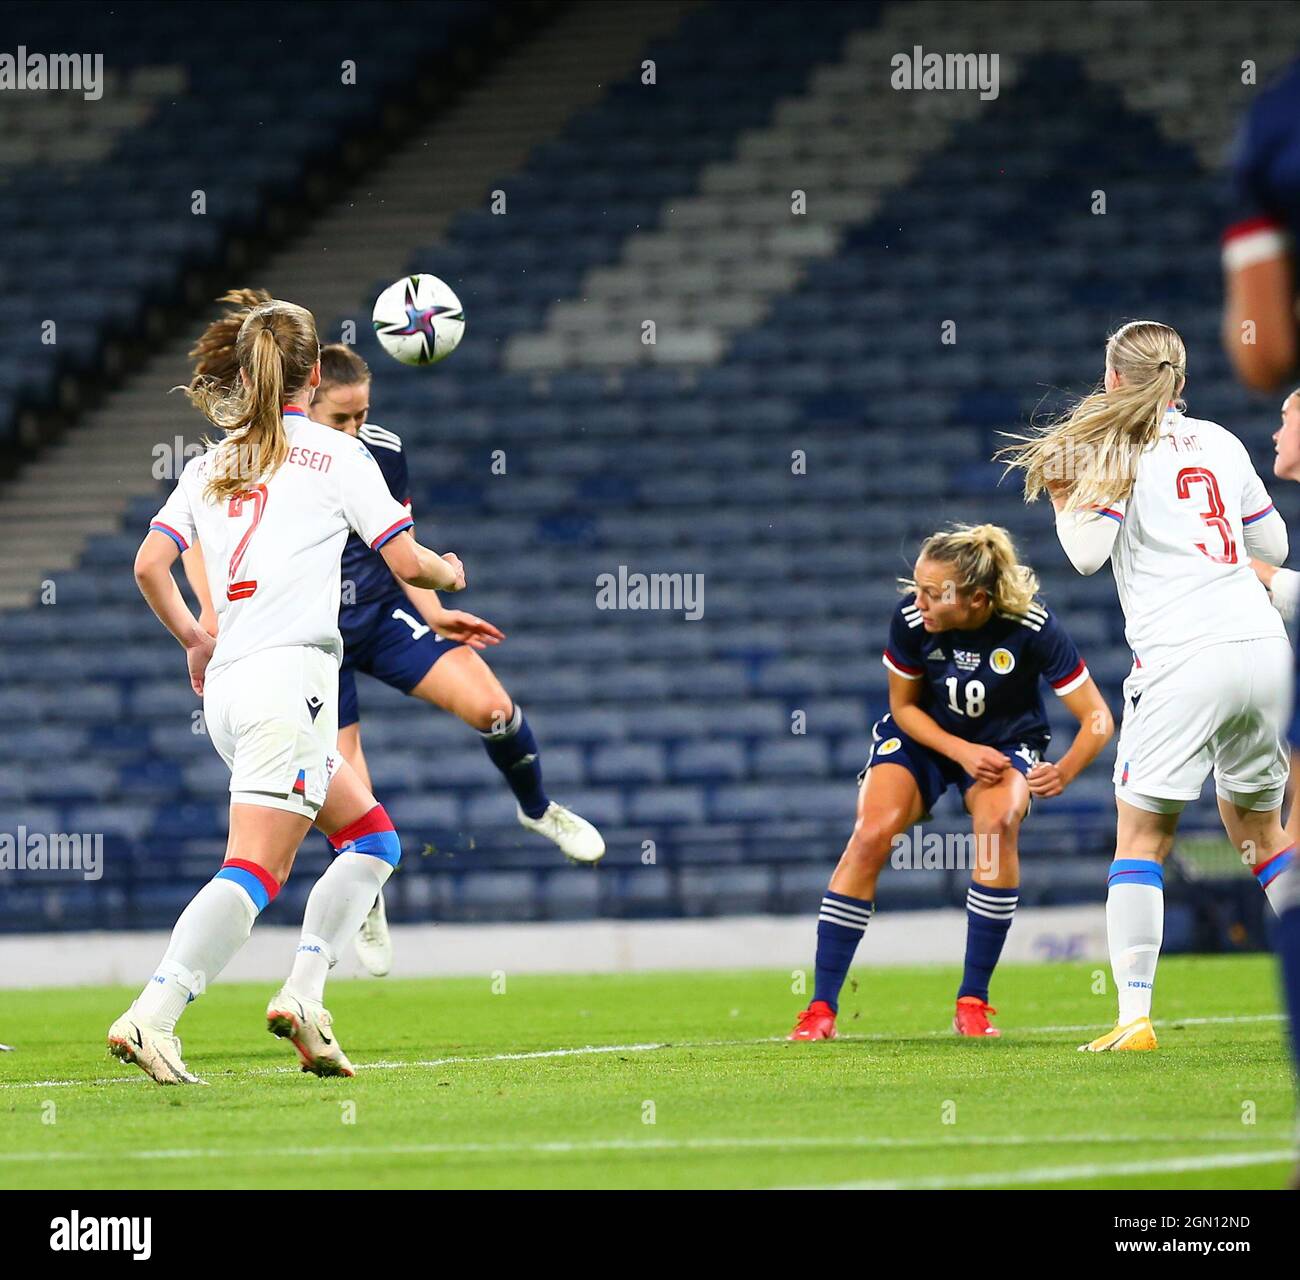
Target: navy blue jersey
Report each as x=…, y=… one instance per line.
x=982, y=685
x=369, y=578
x=1266, y=169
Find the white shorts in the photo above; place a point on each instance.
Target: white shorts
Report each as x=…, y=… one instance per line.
x=274, y=719
x=1223, y=708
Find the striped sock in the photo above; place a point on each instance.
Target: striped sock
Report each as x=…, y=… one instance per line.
x=1135, y=926
x=840, y=925
x=1269, y=872
x=989, y=913
x=1287, y=905
x=515, y=752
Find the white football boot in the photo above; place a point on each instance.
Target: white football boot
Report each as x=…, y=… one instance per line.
x=307, y=1025
x=374, y=942
x=579, y=841
x=157, y=1053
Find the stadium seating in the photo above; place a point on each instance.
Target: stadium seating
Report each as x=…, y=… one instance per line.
x=797, y=427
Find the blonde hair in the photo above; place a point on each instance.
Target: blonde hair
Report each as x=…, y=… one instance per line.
x=275, y=351
x=214, y=353
x=1091, y=453
x=983, y=557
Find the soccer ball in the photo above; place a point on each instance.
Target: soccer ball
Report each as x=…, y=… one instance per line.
x=419, y=320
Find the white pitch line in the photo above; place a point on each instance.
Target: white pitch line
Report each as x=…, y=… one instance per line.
x=788, y=1143
x=586, y=1050
x=1066, y=1173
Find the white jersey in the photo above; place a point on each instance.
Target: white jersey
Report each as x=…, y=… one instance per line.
x=1182, y=555
x=272, y=553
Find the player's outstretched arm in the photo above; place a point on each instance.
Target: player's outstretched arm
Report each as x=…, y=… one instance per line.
x=196, y=573
x=453, y=624
x=986, y=764
x=1096, y=728
x=420, y=567
x=1261, y=294
x=1283, y=587
x=153, y=575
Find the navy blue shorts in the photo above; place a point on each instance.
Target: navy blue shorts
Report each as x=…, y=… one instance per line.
x=935, y=773
x=390, y=641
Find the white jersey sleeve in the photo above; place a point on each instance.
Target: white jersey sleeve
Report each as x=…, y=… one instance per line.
x=1088, y=537
x=176, y=518
x=1263, y=528
x=369, y=508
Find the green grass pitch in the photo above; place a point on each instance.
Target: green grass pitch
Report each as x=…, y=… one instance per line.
x=671, y=1080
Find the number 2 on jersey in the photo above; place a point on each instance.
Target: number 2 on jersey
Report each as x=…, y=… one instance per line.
x=1215, y=517
x=237, y=589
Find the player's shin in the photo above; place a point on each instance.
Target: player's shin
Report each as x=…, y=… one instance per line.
x=1135, y=916
x=1286, y=902
x=989, y=912
x=514, y=751
x=367, y=850
x=841, y=922
x=210, y=931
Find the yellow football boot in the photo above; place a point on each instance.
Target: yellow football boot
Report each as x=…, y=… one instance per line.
x=1138, y=1034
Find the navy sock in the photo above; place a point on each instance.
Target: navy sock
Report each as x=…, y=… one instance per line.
x=988, y=921
x=1288, y=950
x=840, y=925
x=514, y=751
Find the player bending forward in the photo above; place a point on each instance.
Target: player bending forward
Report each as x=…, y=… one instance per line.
x=1177, y=508
x=273, y=503
x=965, y=655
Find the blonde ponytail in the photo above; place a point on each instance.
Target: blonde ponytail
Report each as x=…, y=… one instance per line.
x=275, y=351
x=983, y=557
x=1091, y=453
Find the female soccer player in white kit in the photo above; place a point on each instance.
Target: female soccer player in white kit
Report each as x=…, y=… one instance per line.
x=272, y=504
x=1177, y=508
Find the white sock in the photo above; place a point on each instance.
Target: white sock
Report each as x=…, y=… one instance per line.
x=1135, y=925
x=1276, y=875
x=211, y=929
x=339, y=901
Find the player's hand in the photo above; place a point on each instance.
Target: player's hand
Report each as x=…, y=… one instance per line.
x=985, y=764
x=467, y=629
x=198, y=653
x=1264, y=572
x=458, y=568
x=1045, y=779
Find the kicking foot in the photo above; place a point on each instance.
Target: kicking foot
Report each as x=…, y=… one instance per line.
x=157, y=1053
x=374, y=942
x=972, y=1017
x=816, y=1022
x=579, y=841
x=307, y=1025
x=1138, y=1034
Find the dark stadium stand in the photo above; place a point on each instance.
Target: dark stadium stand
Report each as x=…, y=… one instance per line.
x=677, y=737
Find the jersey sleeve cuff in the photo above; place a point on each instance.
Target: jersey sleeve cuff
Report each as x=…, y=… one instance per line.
x=1254, y=240
x=900, y=668
x=1070, y=682
x=1259, y=515
x=158, y=527
x=392, y=531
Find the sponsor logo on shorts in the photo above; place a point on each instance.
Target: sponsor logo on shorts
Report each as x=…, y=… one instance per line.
x=1002, y=661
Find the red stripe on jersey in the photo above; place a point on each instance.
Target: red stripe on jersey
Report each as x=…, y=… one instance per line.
x=895, y=661
x=1248, y=227
x=392, y=531
x=293, y=411
x=1257, y=515
x=1074, y=675
x=374, y=820
x=166, y=528
x=264, y=877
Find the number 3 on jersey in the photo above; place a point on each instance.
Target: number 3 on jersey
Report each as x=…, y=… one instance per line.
x=237, y=588
x=1215, y=517
x=974, y=697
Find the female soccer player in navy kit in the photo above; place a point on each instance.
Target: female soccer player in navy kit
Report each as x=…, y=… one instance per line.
x=404, y=636
x=965, y=654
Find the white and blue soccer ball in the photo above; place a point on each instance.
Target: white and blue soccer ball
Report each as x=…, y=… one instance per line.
x=419, y=320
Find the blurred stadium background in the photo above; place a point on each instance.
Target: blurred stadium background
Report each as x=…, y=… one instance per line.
x=226, y=151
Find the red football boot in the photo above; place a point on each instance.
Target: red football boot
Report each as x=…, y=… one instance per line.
x=972, y=1017
x=816, y=1022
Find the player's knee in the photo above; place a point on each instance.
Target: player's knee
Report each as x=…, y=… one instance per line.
x=372, y=834
x=1002, y=825
x=871, y=839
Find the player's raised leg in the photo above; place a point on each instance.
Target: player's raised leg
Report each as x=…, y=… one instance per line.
x=889, y=801
x=462, y=683
x=215, y=925
x=1258, y=834
x=1135, y=917
x=366, y=851
x=997, y=810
